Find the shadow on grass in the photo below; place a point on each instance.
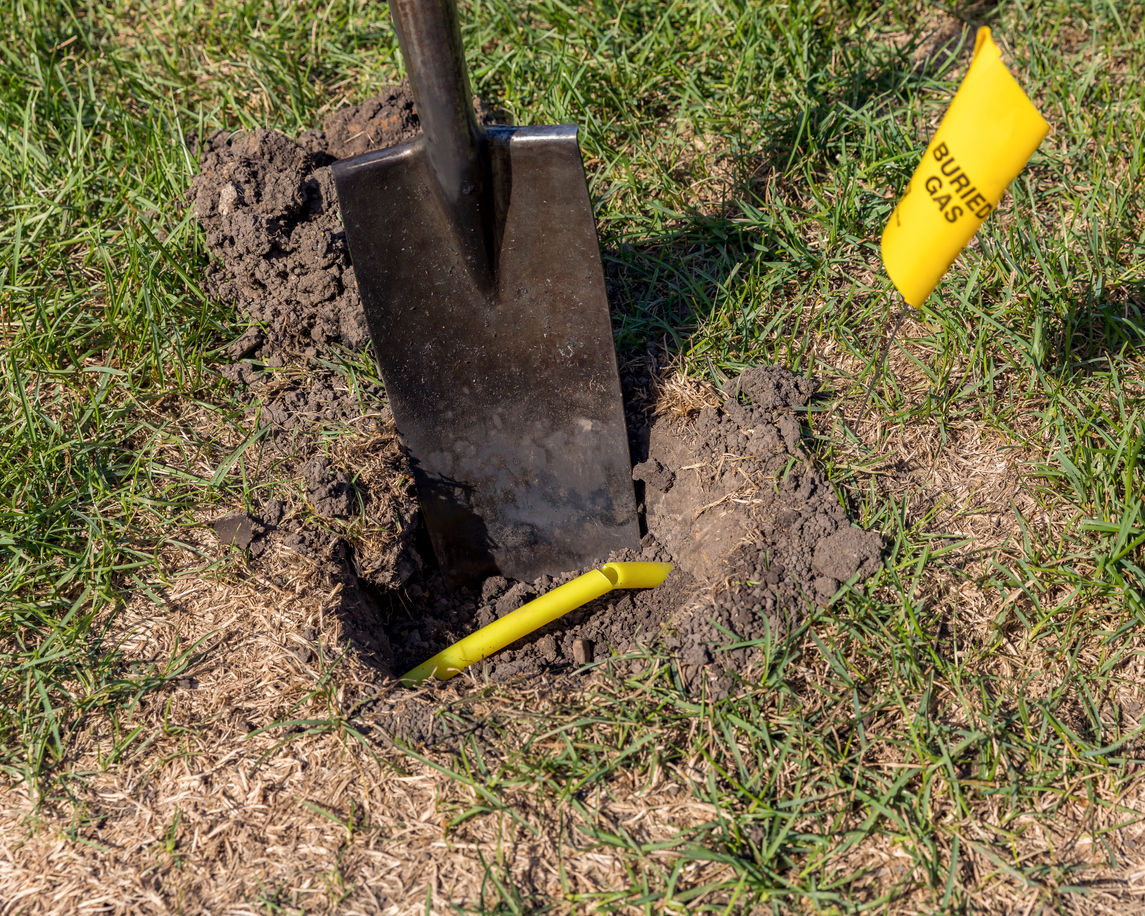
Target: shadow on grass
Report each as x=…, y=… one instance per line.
x=1103, y=326
x=795, y=207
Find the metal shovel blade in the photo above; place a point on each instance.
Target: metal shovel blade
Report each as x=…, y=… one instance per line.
x=503, y=382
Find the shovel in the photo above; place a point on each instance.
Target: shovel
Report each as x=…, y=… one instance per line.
x=478, y=266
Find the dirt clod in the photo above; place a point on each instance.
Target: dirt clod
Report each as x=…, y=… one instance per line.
x=385, y=120
x=238, y=530
x=245, y=346
x=846, y=552
x=582, y=651
x=327, y=488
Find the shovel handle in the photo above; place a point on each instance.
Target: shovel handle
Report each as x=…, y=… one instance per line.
x=430, y=39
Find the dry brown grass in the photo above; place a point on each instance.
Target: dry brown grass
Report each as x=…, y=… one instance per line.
x=204, y=813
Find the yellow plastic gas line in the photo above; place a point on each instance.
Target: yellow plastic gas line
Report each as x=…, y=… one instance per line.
x=536, y=613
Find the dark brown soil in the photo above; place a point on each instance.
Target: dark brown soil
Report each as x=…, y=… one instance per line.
x=728, y=494
x=270, y=212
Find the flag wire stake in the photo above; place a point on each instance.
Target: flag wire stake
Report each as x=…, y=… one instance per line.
x=882, y=362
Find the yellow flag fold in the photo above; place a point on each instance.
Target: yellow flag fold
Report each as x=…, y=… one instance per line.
x=987, y=135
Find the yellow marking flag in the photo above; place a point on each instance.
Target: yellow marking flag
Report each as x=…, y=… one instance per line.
x=987, y=135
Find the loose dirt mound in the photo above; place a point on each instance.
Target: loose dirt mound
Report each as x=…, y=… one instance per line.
x=271, y=214
x=726, y=491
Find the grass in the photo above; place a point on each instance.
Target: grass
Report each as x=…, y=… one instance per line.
x=963, y=735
